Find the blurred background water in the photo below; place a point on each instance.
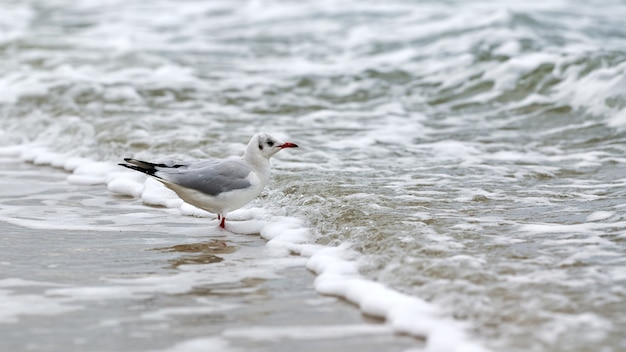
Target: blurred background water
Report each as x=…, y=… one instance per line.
x=472, y=151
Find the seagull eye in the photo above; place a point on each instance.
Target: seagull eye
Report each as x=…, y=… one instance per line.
x=270, y=143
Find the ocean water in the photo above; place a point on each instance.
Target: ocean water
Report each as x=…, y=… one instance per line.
x=461, y=172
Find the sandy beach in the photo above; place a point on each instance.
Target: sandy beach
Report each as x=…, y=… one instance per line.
x=84, y=270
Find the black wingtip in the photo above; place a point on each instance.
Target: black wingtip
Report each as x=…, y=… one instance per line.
x=147, y=167
x=147, y=171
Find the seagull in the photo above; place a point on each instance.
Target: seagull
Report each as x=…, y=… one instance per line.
x=218, y=186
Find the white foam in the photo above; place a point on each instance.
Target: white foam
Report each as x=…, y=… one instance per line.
x=286, y=234
x=125, y=94
x=592, y=326
x=92, y=173
x=600, y=215
x=11, y=150
x=15, y=19
x=14, y=305
x=72, y=163
x=585, y=228
x=617, y=119
x=336, y=267
x=204, y=344
x=339, y=276
x=129, y=184
x=586, y=256
x=592, y=91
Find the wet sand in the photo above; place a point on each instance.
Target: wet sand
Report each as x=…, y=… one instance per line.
x=84, y=270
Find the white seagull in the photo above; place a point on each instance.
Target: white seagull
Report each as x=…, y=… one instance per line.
x=218, y=186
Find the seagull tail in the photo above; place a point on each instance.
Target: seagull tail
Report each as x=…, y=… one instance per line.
x=147, y=168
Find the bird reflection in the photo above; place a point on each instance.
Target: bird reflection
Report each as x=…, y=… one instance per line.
x=203, y=252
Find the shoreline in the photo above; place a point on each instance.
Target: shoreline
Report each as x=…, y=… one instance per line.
x=170, y=284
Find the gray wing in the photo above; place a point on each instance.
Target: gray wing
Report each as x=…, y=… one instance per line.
x=211, y=178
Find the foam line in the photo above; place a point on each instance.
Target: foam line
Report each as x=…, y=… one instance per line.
x=336, y=267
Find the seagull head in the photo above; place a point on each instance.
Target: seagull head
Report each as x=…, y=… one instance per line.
x=265, y=145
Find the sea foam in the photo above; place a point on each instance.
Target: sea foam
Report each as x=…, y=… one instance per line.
x=336, y=267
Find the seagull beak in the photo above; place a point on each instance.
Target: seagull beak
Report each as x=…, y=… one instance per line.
x=288, y=145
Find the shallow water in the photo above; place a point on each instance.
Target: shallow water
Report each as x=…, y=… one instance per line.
x=84, y=271
x=472, y=152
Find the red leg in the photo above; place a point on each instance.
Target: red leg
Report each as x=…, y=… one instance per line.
x=219, y=216
x=222, y=225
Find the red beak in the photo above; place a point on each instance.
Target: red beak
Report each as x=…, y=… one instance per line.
x=288, y=145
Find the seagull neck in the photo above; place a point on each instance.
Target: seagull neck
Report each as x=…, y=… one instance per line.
x=259, y=163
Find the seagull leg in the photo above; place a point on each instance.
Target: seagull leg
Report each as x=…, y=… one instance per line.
x=222, y=225
x=219, y=216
